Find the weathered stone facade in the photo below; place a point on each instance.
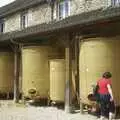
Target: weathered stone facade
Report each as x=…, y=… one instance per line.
x=36, y=15
x=39, y=14
x=12, y=22
x=80, y=6
x=42, y=13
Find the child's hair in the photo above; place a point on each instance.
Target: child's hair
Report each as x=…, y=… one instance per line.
x=107, y=75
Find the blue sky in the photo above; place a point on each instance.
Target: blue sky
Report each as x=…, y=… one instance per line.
x=5, y=2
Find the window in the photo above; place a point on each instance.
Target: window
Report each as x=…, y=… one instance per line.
x=64, y=9
x=116, y=2
x=24, y=20
x=2, y=26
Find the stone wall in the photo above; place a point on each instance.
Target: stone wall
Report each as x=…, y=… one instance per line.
x=42, y=13
x=12, y=23
x=80, y=6
x=36, y=15
x=39, y=14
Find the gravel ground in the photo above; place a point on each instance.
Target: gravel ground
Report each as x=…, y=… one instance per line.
x=10, y=111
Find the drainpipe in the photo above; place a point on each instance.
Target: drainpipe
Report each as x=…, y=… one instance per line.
x=76, y=46
x=17, y=57
x=68, y=88
x=16, y=73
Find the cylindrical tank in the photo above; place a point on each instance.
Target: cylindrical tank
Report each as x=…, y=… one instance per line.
x=35, y=68
x=98, y=55
x=6, y=72
x=57, y=80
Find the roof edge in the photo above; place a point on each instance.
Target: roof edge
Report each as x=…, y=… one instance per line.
x=19, y=5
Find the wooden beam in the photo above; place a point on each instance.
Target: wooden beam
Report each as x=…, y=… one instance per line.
x=16, y=73
x=76, y=41
x=79, y=38
x=68, y=89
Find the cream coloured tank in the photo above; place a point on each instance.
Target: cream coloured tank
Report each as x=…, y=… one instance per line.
x=35, y=69
x=98, y=55
x=6, y=71
x=57, y=79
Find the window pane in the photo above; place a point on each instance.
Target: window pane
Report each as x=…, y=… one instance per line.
x=23, y=20
x=116, y=2
x=1, y=27
x=66, y=8
x=61, y=10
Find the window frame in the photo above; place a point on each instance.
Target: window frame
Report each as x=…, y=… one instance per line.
x=116, y=2
x=24, y=20
x=63, y=14
x=2, y=26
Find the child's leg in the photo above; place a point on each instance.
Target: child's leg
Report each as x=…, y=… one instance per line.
x=111, y=111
